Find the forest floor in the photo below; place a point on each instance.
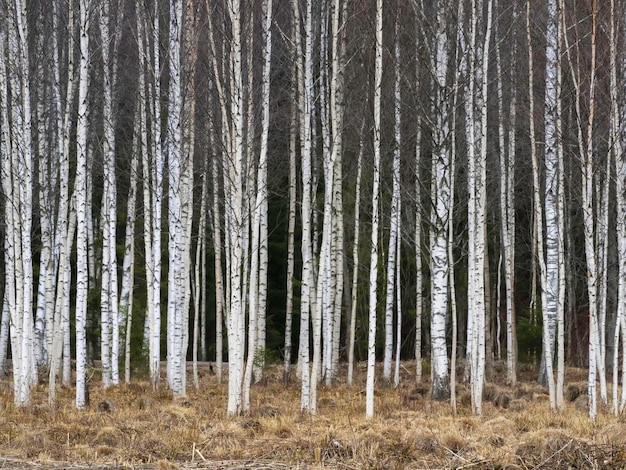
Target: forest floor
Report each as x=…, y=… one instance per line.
x=130, y=426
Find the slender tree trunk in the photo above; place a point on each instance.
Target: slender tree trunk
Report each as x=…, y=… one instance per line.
x=417, y=237
x=538, y=220
x=305, y=97
x=262, y=194
x=373, y=278
x=128, y=264
x=109, y=327
x=392, y=255
x=293, y=129
x=17, y=168
x=551, y=309
x=441, y=200
x=355, y=253
x=82, y=200
x=617, y=146
x=198, y=267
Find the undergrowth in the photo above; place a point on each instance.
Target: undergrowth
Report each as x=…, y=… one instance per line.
x=132, y=426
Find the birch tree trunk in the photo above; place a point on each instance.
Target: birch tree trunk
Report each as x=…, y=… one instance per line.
x=109, y=327
x=258, y=265
x=47, y=171
x=585, y=132
x=617, y=143
x=58, y=317
x=419, y=278
x=596, y=362
x=355, y=253
x=304, y=61
x=17, y=172
x=293, y=129
x=477, y=200
x=551, y=308
x=507, y=205
x=262, y=194
x=128, y=264
x=82, y=200
x=392, y=254
x=180, y=180
x=234, y=195
x=219, y=283
x=373, y=277
x=152, y=183
x=199, y=266
x=441, y=200
x=538, y=217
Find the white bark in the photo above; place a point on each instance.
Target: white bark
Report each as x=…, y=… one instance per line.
x=507, y=208
x=219, y=283
x=477, y=203
x=4, y=336
x=234, y=195
x=17, y=176
x=152, y=183
x=551, y=308
x=373, y=277
x=292, y=220
x=441, y=200
x=128, y=264
x=538, y=219
x=355, y=253
x=261, y=206
x=180, y=181
x=450, y=228
x=199, y=266
x=109, y=326
x=305, y=98
x=82, y=200
x=586, y=147
x=396, y=373
x=418, y=225
x=617, y=144
x=392, y=253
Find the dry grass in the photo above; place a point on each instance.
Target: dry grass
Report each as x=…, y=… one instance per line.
x=131, y=426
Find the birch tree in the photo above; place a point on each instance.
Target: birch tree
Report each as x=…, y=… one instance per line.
x=57, y=310
x=17, y=178
x=373, y=274
x=476, y=105
x=538, y=217
x=585, y=137
x=152, y=165
x=618, y=144
x=507, y=202
x=128, y=264
x=418, y=215
x=258, y=268
x=304, y=61
x=82, y=275
x=441, y=200
x=293, y=130
x=109, y=325
x=235, y=224
x=551, y=308
x=394, y=230
x=330, y=272
x=180, y=184
x=355, y=253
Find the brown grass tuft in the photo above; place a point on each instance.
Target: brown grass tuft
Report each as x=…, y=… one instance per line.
x=149, y=429
x=109, y=436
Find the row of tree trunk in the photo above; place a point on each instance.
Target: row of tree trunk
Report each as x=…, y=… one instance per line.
x=196, y=141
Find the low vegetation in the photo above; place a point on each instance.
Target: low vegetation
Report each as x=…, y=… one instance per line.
x=131, y=426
